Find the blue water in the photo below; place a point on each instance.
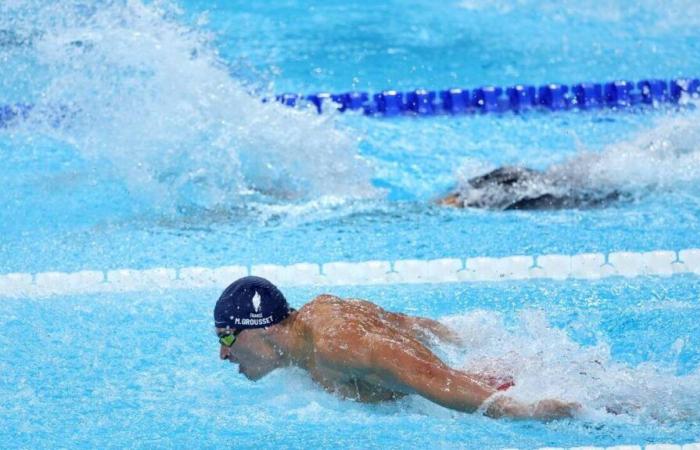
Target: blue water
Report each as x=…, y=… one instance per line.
x=168, y=159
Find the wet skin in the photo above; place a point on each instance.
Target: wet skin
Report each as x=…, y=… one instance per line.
x=360, y=351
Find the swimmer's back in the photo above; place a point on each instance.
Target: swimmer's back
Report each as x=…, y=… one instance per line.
x=341, y=332
x=328, y=312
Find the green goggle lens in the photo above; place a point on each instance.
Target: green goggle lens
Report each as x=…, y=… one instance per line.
x=227, y=340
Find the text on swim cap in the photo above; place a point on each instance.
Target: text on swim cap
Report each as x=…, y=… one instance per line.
x=263, y=321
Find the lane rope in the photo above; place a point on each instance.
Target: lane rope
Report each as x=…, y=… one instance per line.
x=621, y=94
x=587, y=266
x=692, y=446
x=618, y=94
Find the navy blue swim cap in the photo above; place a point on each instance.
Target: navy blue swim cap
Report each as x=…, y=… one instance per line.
x=250, y=302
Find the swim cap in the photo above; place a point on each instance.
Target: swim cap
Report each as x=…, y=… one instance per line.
x=250, y=302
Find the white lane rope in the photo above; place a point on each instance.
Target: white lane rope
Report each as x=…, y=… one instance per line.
x=693, y=446
x=589, y=266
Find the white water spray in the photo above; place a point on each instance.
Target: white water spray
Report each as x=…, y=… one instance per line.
x=147, y=99
x=545, y=362
x=665, y=157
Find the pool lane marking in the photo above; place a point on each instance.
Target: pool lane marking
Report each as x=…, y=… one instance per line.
x=693, y=446
x=587, y=266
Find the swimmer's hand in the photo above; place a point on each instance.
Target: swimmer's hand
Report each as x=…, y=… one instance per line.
x=542, y=410
x=554, y=409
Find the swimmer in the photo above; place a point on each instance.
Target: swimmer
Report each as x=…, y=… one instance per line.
x=513, y=188
x=357, y=350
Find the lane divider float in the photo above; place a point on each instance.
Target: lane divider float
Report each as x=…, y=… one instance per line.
x=587, y=266
x=693, y=446
x=621, y=94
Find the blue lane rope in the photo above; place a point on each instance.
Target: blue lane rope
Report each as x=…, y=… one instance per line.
x=494, y=99
x=9, y=113
x=489, y=99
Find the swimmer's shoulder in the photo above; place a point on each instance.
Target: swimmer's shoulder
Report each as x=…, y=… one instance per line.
x=321, y=301
x=326, y=298
x=321, y=315
x=320, y=305
x=328, y=302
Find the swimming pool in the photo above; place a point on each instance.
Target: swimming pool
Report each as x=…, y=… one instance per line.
x=168, y=162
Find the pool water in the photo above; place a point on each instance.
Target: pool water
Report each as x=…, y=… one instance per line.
x=167, y=158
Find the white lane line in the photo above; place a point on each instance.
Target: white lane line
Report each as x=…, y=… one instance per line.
x=693, y=446
x=589, y=266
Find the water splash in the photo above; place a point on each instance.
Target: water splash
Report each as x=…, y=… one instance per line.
x=546, y=362
x=148, y=99
x=665, y=157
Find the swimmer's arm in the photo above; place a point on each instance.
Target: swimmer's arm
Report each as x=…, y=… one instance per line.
x=543, y=410
x=421, y=324
x=412, y=368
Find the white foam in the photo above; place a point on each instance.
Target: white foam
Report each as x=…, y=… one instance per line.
x=150, y=102
x=546, y=362
x=665, y=156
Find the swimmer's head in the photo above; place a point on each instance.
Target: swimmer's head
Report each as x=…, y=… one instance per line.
x=245, y=314
x=250, y=302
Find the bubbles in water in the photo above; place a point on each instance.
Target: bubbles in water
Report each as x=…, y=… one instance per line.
x=147, y=98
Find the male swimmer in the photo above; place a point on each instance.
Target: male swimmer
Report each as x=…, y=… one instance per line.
x=357, y=350
x=510, y=188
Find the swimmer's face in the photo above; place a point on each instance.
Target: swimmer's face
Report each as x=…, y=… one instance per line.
x=255, y=356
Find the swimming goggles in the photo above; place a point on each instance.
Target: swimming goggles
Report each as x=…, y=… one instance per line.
x=227, y=338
